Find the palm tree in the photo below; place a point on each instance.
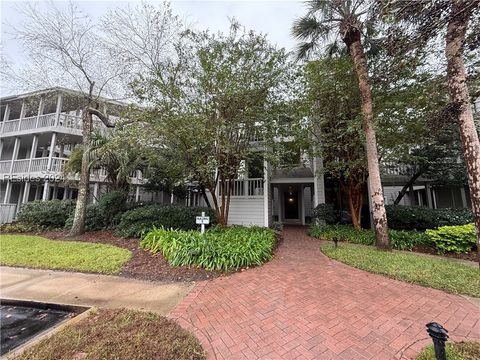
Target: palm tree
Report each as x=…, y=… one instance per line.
x=328, y=20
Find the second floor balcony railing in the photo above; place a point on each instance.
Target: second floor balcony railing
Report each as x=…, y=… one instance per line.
x=66, y=121
x=247, y=187
x=32, y=166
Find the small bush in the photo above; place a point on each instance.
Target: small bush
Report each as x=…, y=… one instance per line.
x=277, y=226
x=94, y=219
x=422, y=218
x=221, y=248
x=325, y=213
x=457, y=239
x=400, y=240
x=110, y=205
x=138, y=221
x=48, y=214
x=18, y=227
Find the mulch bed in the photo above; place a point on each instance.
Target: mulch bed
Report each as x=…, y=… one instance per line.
x=142, y=265
x=471, y=256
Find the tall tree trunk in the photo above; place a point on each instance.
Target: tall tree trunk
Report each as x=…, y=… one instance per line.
x=375, y=183
x=457, y=84
x=78, y=226
x=405, y=187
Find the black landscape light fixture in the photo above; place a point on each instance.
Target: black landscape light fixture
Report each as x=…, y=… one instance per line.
x=439, y=336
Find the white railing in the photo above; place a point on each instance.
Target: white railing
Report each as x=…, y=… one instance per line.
x=58, y=164
x=20, y=166
x=39, y=164
x=10, y=126
x=7, y=213
x=27, y=123
x=247, y=187
x=46, y=120
x=5, y=166
x=397, y=169
x=70, y=121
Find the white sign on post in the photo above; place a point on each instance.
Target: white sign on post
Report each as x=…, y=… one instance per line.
x=203, y=220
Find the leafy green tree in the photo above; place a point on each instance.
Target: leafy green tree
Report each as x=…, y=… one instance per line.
x=459, y=20
x=348, y=20
x=335, y=126
x=225, y=91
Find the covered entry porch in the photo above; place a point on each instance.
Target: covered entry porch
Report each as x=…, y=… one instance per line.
x=293, y=203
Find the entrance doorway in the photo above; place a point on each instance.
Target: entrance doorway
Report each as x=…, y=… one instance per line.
x=291, y=205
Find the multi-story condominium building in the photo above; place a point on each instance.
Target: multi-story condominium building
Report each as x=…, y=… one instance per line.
x=39, y=130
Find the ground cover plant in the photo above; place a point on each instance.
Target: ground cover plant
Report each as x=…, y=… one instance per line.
x=464, y=350
x=138, y=221
x=39, y=252
x=119, y=334
x=438, y=273
x=400, y=239
x=220, y=248
x=457, y=239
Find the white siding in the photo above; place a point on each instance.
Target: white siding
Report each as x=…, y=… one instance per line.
x=307, y=200
x=246, y=211
x=391, y=192
x=319, y=182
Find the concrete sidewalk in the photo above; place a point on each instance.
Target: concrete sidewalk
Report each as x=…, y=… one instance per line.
x=90, y=289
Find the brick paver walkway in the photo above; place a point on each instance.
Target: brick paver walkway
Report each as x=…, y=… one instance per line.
x=303, y=305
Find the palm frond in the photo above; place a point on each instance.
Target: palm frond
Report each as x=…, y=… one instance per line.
x=304, y=49
x=308, y=27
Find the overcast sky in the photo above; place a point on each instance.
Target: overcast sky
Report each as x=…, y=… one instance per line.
x=273, y=18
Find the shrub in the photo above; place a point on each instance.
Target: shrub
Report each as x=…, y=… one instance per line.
x=220, y=248
x=110, y=205
x=277, y=226
x=325, y=213
x=94, y=219
x=18, y=227
x=422, y=218
x=48, y=214
x=138, y=221
x=457, y=239
x=399, y=239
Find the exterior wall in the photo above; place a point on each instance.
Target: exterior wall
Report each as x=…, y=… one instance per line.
x=391, y=192
x=319, y=184
x=307, y=200
x=246, y=211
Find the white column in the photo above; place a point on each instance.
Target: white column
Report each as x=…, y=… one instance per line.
x=1, y=148
x=318, y=183
x=58, y=109
x=16, y=147
x=171, y=198
x=429, y=195
x=37, y=191
x=22, y=114
x=6, y=115
x=302, y=203
x=266, y=194
x=65, y=193
x=26, y=191
x=464, y=197
x=55, y=191
x=20, y=197
x=33, y=150
x=137, y=194
x=95, y=192
x=53, y=144
x=46, y=190
x=8, y=191
x=39, y=112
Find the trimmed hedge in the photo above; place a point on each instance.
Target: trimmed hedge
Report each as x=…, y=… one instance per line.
x=138, y=221
x=220, y=248
x=400, y=239
x=422, y=218
x=326, y=213
x=50, y=214
x=457, y=239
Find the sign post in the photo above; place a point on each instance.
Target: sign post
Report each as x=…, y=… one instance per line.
x=203, y=220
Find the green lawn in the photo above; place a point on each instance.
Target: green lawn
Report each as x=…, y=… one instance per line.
x=468, y=350
x=448, y=275
x=39, y=252
x=119, y=334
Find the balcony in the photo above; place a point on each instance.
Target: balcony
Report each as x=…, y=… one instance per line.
x=68, y=123
x=248, y=188
x=32, y=166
